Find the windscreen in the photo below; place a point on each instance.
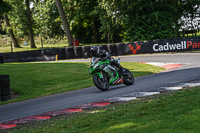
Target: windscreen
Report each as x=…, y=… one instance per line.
x=93, y=60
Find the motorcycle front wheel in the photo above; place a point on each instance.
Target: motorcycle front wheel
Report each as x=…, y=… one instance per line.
x=101, y=83
x=129, y=79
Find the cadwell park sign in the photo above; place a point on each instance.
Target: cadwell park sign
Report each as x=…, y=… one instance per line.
x=167, y=45
x=179, y=46
x=142, y=47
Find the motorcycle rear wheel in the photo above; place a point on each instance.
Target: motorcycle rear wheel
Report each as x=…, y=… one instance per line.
x=128, y=80
x=101, y=83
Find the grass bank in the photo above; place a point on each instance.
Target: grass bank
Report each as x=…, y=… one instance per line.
x=31, y=80
x=174, y=112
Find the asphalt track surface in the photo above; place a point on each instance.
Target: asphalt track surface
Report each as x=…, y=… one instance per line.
x=189, y=71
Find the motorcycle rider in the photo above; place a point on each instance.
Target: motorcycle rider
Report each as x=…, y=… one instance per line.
x=104, y=55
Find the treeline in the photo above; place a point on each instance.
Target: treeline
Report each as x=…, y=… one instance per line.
x=94, y=21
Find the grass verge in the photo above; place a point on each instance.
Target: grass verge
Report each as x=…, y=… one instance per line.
x=175, y=112
x=31, y=80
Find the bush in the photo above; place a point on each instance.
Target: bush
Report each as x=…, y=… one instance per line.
x=5, y=40
x=48, y=40
x=147, y=20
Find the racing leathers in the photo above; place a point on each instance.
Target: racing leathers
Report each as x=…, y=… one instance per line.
x=106, y=55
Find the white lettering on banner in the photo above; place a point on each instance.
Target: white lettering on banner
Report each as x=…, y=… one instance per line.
x=184, y=44
x=171, y=47
x=154, y=47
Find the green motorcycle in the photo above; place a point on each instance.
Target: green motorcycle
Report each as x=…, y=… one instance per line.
x=105, y=74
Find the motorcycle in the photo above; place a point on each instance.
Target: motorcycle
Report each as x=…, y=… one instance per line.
x=105, y=74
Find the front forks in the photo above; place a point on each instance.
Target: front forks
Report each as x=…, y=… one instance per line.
x=100, y=74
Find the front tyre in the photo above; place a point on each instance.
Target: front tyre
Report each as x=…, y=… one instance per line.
x=100, y=83
x=129, y=79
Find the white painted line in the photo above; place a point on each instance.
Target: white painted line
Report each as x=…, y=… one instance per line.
x=173, y=88
x=122, y=98
x=141, y=94
x=180, y=86
x=148, y=93
x=158, y=63
x=190, y=84
x=133, y=96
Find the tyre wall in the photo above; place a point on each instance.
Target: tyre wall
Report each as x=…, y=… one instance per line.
x=5, y=93
x=26, y=56
x=104, y=47
x=50, y=54
x=128, y=48
x=1, y=58
x=112, y=48
x=70, y=53
x=123, y=49
x=86, y=51
x=78, y=51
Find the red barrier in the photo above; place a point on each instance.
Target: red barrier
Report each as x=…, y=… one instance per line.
x=76, y=43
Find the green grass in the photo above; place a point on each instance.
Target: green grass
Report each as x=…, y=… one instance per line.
x=174, y=112
x=31, y=80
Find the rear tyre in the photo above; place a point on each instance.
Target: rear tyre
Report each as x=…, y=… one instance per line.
x=128, y=80
x=102, y=84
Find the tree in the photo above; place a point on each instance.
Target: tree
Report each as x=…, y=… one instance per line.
x=29, y=17
x=5, y=8
x=190, y=14
x=111, y=18
x=47, y=19
x=65, y=23
x=147, y=20
x=17, y=17
x=21, y=20
x=90, y=20
x=10, y=31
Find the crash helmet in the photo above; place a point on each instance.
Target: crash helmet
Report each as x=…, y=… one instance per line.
x=95, y=50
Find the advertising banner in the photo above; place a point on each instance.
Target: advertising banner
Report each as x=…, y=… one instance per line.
x=168, y=45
